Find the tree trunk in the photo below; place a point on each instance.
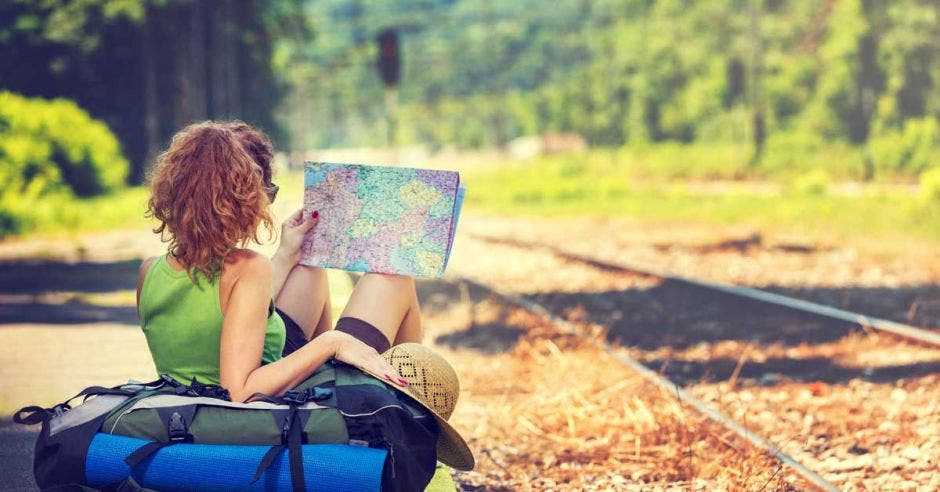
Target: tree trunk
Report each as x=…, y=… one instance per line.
x=223, y=53
x=151, y=98
x=189, y=69
x=758, y=128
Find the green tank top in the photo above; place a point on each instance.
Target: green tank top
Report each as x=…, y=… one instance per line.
x=183, y=323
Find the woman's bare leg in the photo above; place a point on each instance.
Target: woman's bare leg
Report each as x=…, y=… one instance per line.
x=305, y=297
x=388, y=302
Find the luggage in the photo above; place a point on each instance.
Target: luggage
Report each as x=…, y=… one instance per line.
x=338, y=409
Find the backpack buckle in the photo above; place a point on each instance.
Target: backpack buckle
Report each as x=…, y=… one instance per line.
x=295, y=397
x=176, y=429
x=299, y=397
x=285, y=430
x=167, y=379
x=320, y=394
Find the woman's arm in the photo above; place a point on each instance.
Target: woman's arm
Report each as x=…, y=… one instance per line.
x=282, y=265
x=242, y=343
x=293, y=231
x=242, y=340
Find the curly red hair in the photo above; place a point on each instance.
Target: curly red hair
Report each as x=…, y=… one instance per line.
x=208, y=193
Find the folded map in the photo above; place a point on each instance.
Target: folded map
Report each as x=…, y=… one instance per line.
x=381, y=219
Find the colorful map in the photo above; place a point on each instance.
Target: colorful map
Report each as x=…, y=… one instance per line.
x=381, y=219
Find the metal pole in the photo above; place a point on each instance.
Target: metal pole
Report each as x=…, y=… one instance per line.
x=391, y=121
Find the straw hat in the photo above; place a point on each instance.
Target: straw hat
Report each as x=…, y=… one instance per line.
x=432, y=382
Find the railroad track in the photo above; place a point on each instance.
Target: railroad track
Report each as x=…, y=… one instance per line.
x=810, y=308
x=666, y=385
x=907, y=332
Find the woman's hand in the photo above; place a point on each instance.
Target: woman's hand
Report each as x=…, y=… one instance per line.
x=353, y=351
x=293, y=231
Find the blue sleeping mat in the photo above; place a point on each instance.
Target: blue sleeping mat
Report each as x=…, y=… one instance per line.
x=327, y=467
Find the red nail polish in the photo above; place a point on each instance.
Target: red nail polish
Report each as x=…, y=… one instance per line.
x=315, y=214
x=404, y=382
x=388, y=377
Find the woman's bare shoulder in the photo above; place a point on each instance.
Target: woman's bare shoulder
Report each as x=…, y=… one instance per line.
x=245, y=262
x=145, y=265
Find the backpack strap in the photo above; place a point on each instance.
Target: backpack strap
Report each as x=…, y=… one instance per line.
x=267, y=460
x=195, y=388
x=126, y=485
x=295, y=453
x=35, y=414
x=297, y=397
x=127, y=389
x=292, y=424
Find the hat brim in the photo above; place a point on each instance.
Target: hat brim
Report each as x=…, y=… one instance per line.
x=452, y=449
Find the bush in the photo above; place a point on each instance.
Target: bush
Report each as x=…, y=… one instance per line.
x=930, y=187
x=51, y=147
x=908, y=151
x=48, y=145
x=673, y=160
x=798, y=152
x=812, y=183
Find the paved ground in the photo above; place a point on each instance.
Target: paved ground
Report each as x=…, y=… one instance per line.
x=16, y=454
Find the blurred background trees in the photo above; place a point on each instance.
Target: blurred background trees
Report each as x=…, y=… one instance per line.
x=147, y=68
x=858, y=74
x=695, y=88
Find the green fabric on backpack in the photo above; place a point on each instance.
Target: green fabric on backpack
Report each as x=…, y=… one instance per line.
x=182, y=321
x=214, y=425
x=214, y=421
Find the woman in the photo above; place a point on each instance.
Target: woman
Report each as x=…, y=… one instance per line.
x=225, y=315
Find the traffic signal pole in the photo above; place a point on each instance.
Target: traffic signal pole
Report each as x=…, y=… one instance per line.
x=388, y=64
x=391, y=116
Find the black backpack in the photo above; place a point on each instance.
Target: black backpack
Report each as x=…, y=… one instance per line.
x=338, y=404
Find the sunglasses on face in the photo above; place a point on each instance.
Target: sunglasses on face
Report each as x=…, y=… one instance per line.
x=271, y=191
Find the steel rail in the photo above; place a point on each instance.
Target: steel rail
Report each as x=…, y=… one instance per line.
x=893, y=327
x=666, y=385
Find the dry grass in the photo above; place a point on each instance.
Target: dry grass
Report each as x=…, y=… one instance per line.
x=869, y=424
x=555, y=413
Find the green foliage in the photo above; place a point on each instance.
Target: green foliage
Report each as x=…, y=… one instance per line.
x=601, y=184
x=835, y=110
x=910, y=150
x=814, y=183
x=673, y=160
x=147, y=68
x=52, y=147
x=930, y=187
x=909, y=52
x=792, y=153
x=833, y=77
x=60, y=212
